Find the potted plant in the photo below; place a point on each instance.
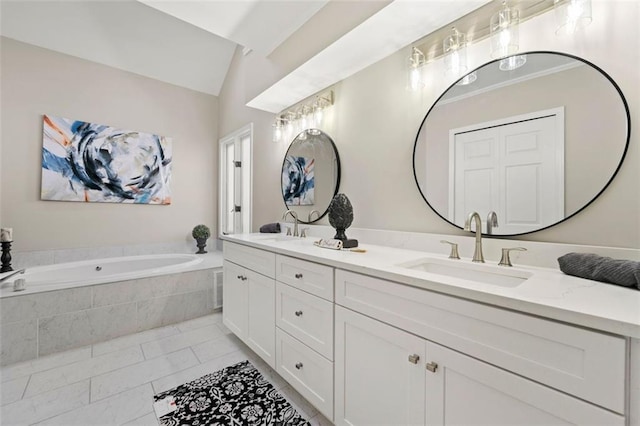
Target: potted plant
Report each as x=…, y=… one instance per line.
x=201, y=233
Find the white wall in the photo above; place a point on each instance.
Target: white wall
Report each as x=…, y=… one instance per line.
x=376, y=121
x=37, y=81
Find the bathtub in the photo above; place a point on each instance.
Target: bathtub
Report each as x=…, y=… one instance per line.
x=77, y=304
x=98, y=271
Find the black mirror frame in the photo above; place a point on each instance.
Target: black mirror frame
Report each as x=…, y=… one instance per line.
x=335, y=150
x=624, y=153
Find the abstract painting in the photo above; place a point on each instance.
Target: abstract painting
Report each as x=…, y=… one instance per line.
x=97, y=163
x=297, y=181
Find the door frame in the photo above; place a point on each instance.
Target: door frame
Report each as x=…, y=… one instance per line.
x=235, y=138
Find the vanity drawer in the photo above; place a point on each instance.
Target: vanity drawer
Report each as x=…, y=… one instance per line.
x=306, y=317
x=588, y=364
x=308, y=276
x=306, y=371
x=257, y=260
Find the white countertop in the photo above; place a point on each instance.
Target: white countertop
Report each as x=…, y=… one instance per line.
x=547, y=292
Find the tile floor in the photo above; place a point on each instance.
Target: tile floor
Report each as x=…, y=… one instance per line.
x=113, y=382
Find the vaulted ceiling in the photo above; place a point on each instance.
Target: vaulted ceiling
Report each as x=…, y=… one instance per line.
x=190, y=43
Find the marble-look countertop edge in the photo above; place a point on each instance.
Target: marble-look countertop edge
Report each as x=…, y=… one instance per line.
x=549, y=293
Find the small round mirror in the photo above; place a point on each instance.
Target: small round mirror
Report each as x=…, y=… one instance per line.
x=310, y=175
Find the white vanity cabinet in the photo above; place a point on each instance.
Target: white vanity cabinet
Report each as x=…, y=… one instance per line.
x=368, y=351
x=249, y=298
x=500, y=367
x=387, y=376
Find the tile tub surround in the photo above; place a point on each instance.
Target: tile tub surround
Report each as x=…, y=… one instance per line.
x=34, y=325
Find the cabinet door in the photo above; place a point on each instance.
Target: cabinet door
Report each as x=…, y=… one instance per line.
x=465, y=391
x=376, y=381
x=234, y=297
x=261, y=316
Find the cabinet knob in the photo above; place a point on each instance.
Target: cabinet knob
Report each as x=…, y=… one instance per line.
x=413, y=359
x=299, y=366
x=240, y=277
x=432, y=366
x=298, y=313
x=298, y=276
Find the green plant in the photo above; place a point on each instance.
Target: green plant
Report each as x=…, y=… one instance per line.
x=201, y=231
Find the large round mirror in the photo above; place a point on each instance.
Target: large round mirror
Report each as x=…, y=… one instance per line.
x=310, y=175
x=534, y=145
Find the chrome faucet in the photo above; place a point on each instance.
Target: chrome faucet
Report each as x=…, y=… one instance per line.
x=477, y=253
x=492, y=221
x=311, y=214
x=3, y=279
x=295, y=223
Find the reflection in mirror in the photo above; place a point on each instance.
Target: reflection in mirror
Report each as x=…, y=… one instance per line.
x=535, y=145
x=310, y=175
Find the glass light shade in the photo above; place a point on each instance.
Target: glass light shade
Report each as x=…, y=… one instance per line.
x=416, y=69
x=317, y=114
x=468, y=79
x=277, y=130
x=504, y=32
x=571, y=15
x=512, y=62
x=455, y=51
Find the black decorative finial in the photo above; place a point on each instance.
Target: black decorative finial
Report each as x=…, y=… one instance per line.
x=341, y=217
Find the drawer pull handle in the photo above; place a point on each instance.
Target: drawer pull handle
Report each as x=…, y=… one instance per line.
x=298, y=276
x=298, y=313
x=299, y=366
x=413, y=359
x=432, y=366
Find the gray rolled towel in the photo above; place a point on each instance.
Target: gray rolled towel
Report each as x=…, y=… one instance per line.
x=591, y=266
x=270, y=228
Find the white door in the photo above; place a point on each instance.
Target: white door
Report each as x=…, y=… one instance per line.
x=261, y=312
x=234, y=296
x=465, y=391
x=514, y=167
x=234, y=213
x=376, y=381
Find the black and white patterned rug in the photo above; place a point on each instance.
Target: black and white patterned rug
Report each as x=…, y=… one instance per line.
x=236, y=395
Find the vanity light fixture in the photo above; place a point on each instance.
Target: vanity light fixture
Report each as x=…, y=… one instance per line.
x=504, y=32
x=505, y=38
x=278, y=128
x=309, y=114
x=455, y=50
x=571, y=15
x=416, y=70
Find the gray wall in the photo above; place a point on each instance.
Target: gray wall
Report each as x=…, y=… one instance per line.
x=376, y=121
x=37, y=81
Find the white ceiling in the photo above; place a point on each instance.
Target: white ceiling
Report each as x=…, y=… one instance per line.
x=190, y=43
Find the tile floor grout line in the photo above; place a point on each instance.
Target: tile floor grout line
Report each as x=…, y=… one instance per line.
x=144, y=415
x=51, y=368
x=25, y=388
x=63, y=412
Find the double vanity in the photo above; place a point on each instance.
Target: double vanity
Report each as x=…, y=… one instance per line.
x=395, y=336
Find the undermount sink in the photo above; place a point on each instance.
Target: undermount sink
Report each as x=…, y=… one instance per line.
x=486, y=274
